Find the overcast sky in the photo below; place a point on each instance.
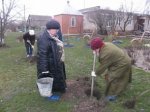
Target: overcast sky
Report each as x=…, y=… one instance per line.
x=52, y=7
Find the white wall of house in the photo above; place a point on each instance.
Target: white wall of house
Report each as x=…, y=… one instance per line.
x=147, y=24
x=133, y=25
x=129, y=27
x=88, y=25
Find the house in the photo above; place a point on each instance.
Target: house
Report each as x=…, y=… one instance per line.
x=88, y=25
x=71, y=21
x=144, y=22
x=37, y=21
x=114, y=20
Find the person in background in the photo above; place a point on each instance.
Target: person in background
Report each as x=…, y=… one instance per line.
x=29, y=40
x=50, y=56
x=117, y=64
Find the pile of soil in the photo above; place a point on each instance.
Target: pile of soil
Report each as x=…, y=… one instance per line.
x=79, y=90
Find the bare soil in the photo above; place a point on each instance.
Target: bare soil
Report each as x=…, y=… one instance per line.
x=130, y=104
x=32, y=59
x=79, y=90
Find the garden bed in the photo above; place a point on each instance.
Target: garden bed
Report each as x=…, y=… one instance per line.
x=79, y=90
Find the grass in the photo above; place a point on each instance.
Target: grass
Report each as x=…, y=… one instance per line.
x=18, y=92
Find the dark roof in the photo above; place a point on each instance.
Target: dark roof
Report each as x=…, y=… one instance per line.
x=38, y=20
x=39, y=17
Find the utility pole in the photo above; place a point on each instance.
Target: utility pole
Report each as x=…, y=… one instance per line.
x=83, y=4
x=1, y=27
x=3, y=9
x=24, y=19
x=2, y=23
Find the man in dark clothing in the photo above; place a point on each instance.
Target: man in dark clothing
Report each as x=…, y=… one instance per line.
x=50, y=60
x=29, y=40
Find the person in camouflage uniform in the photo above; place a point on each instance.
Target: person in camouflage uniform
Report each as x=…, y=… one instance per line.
x=117, y=64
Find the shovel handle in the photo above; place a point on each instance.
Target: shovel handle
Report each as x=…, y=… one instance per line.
x=92, y=86
x=94, y=61
x=93, y=74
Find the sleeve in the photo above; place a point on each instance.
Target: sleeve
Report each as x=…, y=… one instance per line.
x=42, y=61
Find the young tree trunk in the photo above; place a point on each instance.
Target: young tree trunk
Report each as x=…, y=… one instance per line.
x=2, y=42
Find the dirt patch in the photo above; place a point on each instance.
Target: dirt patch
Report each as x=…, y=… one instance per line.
x=79, y=90
x=96, y=93
x=90, y=105
x=130, y=104
x=33, y=59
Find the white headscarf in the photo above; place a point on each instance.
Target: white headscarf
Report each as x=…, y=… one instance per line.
x=31, y=32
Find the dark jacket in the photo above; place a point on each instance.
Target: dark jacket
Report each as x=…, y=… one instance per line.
x=31, y=38
x=48, y=60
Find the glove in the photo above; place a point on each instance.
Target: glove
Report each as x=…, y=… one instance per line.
x=32, y=47
x=28, y=41
x=94, y=52
x=93, y=74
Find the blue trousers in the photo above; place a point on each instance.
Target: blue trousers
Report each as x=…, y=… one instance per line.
x=29, y=49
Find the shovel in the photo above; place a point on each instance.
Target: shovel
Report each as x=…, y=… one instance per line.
x=93, y=74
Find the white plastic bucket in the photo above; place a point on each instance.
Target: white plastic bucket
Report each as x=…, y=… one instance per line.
x=45, y=86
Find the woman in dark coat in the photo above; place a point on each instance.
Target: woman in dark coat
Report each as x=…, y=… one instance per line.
x=49, y=57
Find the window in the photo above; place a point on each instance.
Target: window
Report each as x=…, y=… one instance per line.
x=109, y=23
x=73, y=21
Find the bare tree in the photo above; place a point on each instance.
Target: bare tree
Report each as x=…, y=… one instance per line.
x=147, y=7
x=104, y=18
x=100, y=18
x=8, y=15
x=125, y=16
x=147, y=13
